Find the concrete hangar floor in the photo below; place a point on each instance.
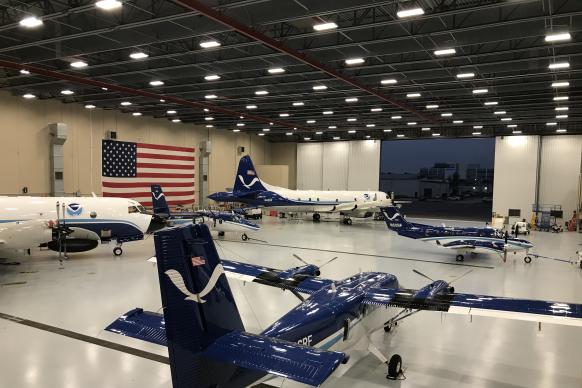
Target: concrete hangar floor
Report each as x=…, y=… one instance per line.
x=90, y=290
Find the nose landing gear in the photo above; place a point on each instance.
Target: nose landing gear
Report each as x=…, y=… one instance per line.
x=117, y=251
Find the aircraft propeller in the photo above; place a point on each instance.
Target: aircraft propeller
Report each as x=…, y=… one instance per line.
x=450, y=289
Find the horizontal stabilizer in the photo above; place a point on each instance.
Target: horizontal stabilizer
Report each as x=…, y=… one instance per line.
x=142, y=325
x=270, y=355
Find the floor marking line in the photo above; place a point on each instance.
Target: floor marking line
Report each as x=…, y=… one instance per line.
x=86, y=338
x=364, y=254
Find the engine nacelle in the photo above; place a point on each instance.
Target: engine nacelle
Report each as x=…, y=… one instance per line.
x=73, y=245
x=25, y=234
x=309, y=270
x=433, y=289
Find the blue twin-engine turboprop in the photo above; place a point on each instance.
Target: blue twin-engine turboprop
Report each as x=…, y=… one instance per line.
x=461, y=240
x=208, y=346
x=220, y=221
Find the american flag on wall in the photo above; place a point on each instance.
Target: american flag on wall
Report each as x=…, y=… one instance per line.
x=129, y=169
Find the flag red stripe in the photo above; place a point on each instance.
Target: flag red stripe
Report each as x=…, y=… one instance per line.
x=139, y=194
x=168, y=166
x=162, y=175
x=164, y=147
x=146, y=184
x=162, y=156
x=178, y=202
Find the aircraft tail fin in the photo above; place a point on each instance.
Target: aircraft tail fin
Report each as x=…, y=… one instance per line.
x=199, y=307
x=394, y=220
x=247, y=179
x=159, y=201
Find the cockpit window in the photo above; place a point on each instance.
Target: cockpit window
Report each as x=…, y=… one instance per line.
x=136, y=209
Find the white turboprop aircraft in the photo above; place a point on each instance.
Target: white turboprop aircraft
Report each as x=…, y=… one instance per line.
x=249, y=189
x=70, y=224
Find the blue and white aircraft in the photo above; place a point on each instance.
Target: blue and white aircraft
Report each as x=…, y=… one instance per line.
x=251, y=190
x=208, y=344
x=71, y=224
x=219, y=221
x=461, y=240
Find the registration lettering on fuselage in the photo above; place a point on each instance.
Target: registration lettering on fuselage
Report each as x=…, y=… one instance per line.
x=305, y=340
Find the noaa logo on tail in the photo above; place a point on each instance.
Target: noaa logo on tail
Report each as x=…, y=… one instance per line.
x=74, y=209
x=178, y=281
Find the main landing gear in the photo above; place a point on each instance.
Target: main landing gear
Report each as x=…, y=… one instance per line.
x=347, y=221
x=394, y=367
x=244, y=237
x=316, y=217
x=117, y=251
x=460, y=258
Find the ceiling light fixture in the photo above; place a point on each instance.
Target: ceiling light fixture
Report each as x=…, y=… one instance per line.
x=156, y=83
x=210, y=96
x=413, y=95
x=25, y=72
x=209, y=44
x=406, y=13
x=499, y=112
x=171, y=112
x=319, y=87
x=79, y=64
x=352, y=99
x=390, y=81
x=396, y=117
x=176, y=120
x=477, y=126
x=476, y=133
x=562, y=108
x=30, y=22
x=490, y=103
x=324, y=26
x=236, y=130
x=561, y=130
x=436, y=134
x=561, y=98
x=458, y=121
x=298, y=103
x=352, y=119
x=108, y=5
x=449, y=51
x=67, y=92
x=552, y=124
x=283, y=114
x=251, y=107
x=138, y=55
x=426, y=129
x=559, y=65
x=276, y=70
x=352, y=131
x=446, y=114
x=562, y=84
x=90, y=106
x=465, y=75
x=261, y=92
x=432, y=106
x=370, y=125
x=212, y=77
x=310, y=121
x=560, y=117
x=125, y=103
x=376, y=110
x=558, y=37
x=480, y=91
x=327, y=112
x=506, y=119
x=354, y=61
x=136, y=114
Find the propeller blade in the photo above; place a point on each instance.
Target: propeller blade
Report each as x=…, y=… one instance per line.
x=460, y=277
x=327, y=262
x=300, y=259
x=423, y=275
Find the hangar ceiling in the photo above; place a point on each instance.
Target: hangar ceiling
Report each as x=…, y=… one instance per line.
x=495, y=77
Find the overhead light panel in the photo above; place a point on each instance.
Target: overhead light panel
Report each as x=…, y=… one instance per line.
x=298, y=103
x=156, y=83
x=251, y=107
x=396, y=117
x=108, y=5
x=512, y=126
x=390, y=81
x=558, y=37
x=125, y=103
x=283, y=114
x=506, y=119
x=352, y=119
x=266, y=129
x=516, y=132
x=411, y=123
x=387, y=130
x=136, y=114
x=209, y=118
x=400, y=135
x=327, y=112
x=240, y=124
x=28, y=96
x=446, y=114
x=562, y=108
x=236, y=130
x=477, y=127
x=209, y=44
x=560, y=117
x=210, y=96
x=561, y=98
x=30, y=22
x=559, y=65
x=67, y=92
x=376, y=110
x=370, y=125
x=499, y=112
x=261, y=134
x=79, y=64
x=432, y=106
x=319, y=87
x=176, y=120
x=171, y=112
x=480, y=91
x=476, y=133
x=352, y=99
x=448, y=51
x=319, y=133
x=491, y=103
x=436, y=134
x=561, y=84
x=425, y=129
x=324, y=26
x=457, y=121
x=465, y=75
x=289, y=133
x=276, y=70
x=261, y=92
x=337, y=138
x=310, y=121
x=352, y=131
x=354, y=61
x=413, y=95
x=25, y=72
x=406, y=13
x=552, y=124
x=560, y=130
x=90, y=106
x=212, y=77
x=138, y=55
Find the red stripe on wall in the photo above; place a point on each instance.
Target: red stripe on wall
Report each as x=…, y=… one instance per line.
x=180, y=202
x=162, y=156
x=162, y=175
x=145, y=184
x=165, y=147
x=168, y=166
x=140, y=194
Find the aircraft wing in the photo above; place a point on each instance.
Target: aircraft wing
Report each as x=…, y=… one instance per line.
x=479, y=305
x=142, y=325
x=274, y=356
x=275, y=278
x=356, y=206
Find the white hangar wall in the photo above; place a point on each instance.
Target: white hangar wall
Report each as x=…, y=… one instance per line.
x=25, y=149
x=342, y=165
x=516, y=182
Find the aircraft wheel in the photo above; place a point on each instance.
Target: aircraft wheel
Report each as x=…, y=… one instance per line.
x=460, y=258
x=581, y=264
x=387, y=328
x=527, y=259
x=316, y=217
x=117, y=251
x=394, y=367
x=244, y=237
x=348, y=221
x=221, y=234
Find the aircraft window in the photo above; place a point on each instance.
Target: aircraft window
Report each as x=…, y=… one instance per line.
x=355, y=199
x=337, y=200
x=309, y=199
x=317, y=199
x=141, y=209
x=132, y=209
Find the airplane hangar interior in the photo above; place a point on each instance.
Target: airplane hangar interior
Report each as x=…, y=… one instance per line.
x=290, y=193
